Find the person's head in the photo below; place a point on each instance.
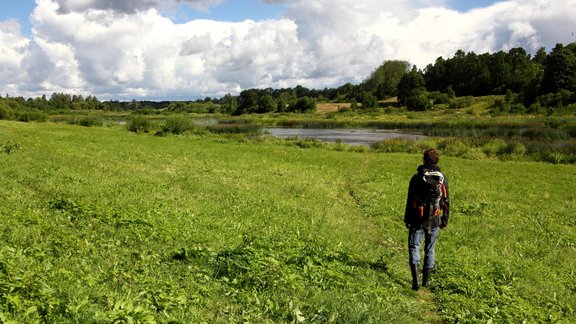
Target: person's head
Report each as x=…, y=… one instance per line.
x=431, y=156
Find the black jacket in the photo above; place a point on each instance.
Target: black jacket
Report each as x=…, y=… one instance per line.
x=417, y=216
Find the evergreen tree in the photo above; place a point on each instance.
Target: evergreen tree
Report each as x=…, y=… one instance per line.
x=560, y=69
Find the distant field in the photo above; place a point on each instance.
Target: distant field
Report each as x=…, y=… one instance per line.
x=479, y=105
x=326, y=107
x=103, y=225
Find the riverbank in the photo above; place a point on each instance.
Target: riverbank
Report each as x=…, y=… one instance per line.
x=470, y=133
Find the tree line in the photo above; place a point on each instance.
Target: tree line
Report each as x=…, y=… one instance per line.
x=529, y=83
x=545, y=80
x=532, y=84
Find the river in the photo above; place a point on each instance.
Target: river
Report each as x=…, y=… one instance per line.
x=352, y=136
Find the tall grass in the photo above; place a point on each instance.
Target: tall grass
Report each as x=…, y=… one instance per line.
x=486, y=148
x=235, y=128
x=178, y=125
x=103, y=226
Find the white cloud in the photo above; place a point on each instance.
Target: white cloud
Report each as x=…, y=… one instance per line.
x=127, y=6
x=12, y=50
x=127, y=49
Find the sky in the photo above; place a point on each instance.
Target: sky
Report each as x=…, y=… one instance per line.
x=189, y=49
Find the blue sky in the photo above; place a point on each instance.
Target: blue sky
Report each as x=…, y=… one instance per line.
x=18, y=9
x=237, y=11
x=172, y=49
x=465, y=5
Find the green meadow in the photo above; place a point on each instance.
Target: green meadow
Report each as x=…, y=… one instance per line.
x=103, y=225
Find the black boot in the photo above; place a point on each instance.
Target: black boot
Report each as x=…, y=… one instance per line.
x=414, y=270
x=426, y=276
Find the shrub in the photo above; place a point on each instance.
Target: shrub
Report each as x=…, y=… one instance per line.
x=461, y=102
x=425, y=144
x=453, y=148
x=88, y=122
x=518, y=108
x=494, y=147
x=28, y=116
x=177, y=125
x=566, y=110
x=306, y=142
x=440, y=98
x=9, y=148
x=139, y=124
x=474, y=153
x=418, y=102
x=395, y=145
x=6, y=113
x=536, y=108
x=500, y=106
x=515, y=149
x=388, y=110
x=344, y=109
x=553, y=157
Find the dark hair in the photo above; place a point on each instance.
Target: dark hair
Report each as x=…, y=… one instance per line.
x=431, y=156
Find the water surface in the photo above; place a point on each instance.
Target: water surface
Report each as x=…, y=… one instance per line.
x=352, y=136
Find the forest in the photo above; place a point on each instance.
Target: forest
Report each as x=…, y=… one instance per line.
x=537, y=84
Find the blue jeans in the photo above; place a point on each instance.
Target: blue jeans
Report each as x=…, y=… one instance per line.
x=415, y=242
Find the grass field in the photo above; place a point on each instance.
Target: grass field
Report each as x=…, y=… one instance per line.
x=323, y=108
x=103, y=225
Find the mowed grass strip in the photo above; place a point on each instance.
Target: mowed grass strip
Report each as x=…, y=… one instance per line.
x=100, y=224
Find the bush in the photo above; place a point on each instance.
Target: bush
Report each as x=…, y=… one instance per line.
x=395, y=145
x=418, y=102
x=9, y=148
x=145, y=111
x=6, y=113
x=425, y=144
x=453, y=148
x=474, y=153
x=518, y=108
x=553, y=157
x=28, y=116
x=306, y=142
x=536, y=108
x=139, y=124
x=439, y=98
x=503, y=149
x=566, y=110
x=514, y=149
x=177, y=125
x=87, y=122
x=461, y=102
x=494, y=147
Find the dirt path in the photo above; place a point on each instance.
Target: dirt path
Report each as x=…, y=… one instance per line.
x=426, y=297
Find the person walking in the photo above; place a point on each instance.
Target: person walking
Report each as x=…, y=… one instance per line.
x=427, y=211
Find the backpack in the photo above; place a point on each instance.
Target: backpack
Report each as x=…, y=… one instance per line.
x=431, y=196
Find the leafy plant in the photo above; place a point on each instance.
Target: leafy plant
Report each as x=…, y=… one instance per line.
x=9, y=148
x=177, y=125
x=139, y=124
